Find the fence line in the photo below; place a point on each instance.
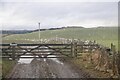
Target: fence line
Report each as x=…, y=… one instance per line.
x=75, y=47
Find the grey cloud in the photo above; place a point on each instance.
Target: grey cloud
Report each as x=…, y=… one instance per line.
x=62, y=14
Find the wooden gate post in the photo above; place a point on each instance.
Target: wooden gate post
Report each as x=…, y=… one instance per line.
x=13, y=50
x=75, y=49
x=118, y=64
x=72, y=49
x=113, y=59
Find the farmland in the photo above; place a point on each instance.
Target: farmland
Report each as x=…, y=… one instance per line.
x=103, y=35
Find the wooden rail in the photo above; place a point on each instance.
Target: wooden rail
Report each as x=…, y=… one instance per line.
x=14, y=50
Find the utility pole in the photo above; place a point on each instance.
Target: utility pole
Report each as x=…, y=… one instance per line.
x=39, y=31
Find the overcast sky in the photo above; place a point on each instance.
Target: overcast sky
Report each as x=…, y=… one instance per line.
x=26, y=15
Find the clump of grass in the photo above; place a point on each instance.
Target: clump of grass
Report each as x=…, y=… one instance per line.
x=89, y=68
x=0, y=70
x=7, y=66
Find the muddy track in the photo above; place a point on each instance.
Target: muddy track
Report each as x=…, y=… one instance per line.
x=45, y=69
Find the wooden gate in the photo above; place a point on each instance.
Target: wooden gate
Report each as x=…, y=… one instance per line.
x=16, y=51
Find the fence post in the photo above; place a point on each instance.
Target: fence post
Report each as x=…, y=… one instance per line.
x=13, y=50
x=75, y=49
x=118, y=64
x=90, y=48
x=72, y=49
x=113, y=59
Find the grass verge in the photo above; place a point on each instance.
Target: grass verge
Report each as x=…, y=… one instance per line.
x=88, y=68
x=7, y=67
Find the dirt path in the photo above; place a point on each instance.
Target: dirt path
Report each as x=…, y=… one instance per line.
x=44, y=69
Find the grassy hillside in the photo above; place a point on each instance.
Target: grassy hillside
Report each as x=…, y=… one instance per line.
x=103, y=36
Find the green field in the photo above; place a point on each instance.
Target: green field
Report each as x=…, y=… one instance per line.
x=104, y=36
x=7, y=66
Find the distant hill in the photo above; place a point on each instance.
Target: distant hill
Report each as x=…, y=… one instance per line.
x=29, y=31
x=74, y=27
x=15, y=31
